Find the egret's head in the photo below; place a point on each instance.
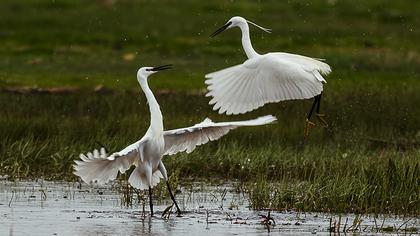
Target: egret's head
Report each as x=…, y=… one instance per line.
x=144, y=72
x=236, y=21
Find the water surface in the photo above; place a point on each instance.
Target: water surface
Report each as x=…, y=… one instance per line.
x=62, y=208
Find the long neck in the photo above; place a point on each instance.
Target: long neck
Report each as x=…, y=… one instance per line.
x=156, y=119
x=246, y=41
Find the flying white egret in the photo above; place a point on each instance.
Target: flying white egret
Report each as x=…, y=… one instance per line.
x=146, y=154
x=268, y=78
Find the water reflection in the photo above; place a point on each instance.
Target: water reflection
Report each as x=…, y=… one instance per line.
x=61, y=208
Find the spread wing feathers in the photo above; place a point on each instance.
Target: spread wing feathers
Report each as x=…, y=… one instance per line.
x=101, y=167
x=307, y=63
x=273, y=77
x=187, y=139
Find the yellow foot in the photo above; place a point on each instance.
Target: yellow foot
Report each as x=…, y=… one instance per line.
x=308, y=126
x=321, y=119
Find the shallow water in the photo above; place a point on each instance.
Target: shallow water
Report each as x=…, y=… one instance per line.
x=61, y=208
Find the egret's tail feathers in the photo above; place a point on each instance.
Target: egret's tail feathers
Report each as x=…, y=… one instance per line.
x=156, y=178
x=139, y=180
x=97, y=166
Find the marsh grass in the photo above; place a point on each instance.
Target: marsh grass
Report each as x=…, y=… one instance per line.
x=367, y=161
x=382, y=186
x=342, y=169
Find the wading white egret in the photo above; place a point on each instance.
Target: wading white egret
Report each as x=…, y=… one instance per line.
x=268, y=78
x=146, y=154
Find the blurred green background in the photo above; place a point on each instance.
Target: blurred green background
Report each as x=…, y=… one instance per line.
x=58, y=43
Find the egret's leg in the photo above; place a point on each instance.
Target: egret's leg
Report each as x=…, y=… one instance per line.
x=319, y=103
x=162, y=170
x=173, y=198
x=316, y=102
x=150, y=201
x=309, y=124
x=320, y=116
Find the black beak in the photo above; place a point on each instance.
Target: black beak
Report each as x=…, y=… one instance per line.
x=159, y=68
x=220, y=30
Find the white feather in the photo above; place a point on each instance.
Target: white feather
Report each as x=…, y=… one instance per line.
x=187, y=139
x=268, y=78
x=100, y=167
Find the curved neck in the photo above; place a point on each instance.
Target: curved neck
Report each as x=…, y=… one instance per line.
x=246, y=41
x=156, y=119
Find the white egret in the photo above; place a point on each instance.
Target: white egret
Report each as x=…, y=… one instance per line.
x=268, y=78
x=146, y=154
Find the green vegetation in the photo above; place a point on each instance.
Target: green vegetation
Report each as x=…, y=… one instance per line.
x=84, y=43
x=367, y=161
x=360, y=182
x=341, y=169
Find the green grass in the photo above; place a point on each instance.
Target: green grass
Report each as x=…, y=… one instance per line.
x=367, y=161
x=339, y=181
x=342, y=169
x=82, y=43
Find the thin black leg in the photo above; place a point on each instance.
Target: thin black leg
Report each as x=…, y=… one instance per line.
x=173, y=198
x=319, y=103
x=321, y=117
x=316, y=101
x=150, y=201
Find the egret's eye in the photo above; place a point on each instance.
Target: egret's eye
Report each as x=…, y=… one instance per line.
x=148, y=69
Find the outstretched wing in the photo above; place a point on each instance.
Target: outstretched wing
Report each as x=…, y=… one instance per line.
x=187, y=139
x=101, y=167
x=273, y=77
